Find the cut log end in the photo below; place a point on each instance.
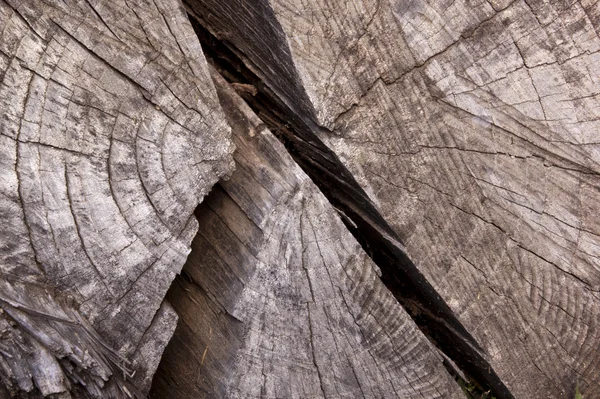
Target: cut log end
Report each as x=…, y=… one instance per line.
x=413, y=211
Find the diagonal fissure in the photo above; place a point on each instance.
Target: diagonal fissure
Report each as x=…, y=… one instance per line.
x=400, y=275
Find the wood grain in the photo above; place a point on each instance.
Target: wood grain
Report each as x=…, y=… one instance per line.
x=473, y=128
x=277, y=298
x=111, y=133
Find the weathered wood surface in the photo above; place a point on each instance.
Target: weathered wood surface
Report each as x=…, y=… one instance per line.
x=278, y=300
x=110, y=135
x=473, y=127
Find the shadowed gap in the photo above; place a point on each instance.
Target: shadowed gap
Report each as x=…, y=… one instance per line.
x=197, y=361
x=412, y=290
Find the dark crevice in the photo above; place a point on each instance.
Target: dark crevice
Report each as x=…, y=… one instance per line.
x=412, y=290
x=197, y=361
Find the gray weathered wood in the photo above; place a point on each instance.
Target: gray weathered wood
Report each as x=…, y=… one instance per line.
x=473, y=127
x=110, y=135
x=278, y=300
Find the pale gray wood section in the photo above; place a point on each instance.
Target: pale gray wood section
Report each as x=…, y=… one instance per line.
x=473, y=126
x=278, y=300
x=110, y=135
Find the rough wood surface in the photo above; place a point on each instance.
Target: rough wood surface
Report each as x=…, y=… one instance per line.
x=473, y=127
x=278, y=300
x=110, y=135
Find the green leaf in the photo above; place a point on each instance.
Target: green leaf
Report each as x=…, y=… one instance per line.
x=577, y=393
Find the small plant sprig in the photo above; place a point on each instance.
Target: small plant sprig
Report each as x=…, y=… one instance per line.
x=578, y=394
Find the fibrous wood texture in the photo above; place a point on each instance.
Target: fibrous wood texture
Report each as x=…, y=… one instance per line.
x=461, y=135
x=110, y=135
x=278, y=300
x=472, y=126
